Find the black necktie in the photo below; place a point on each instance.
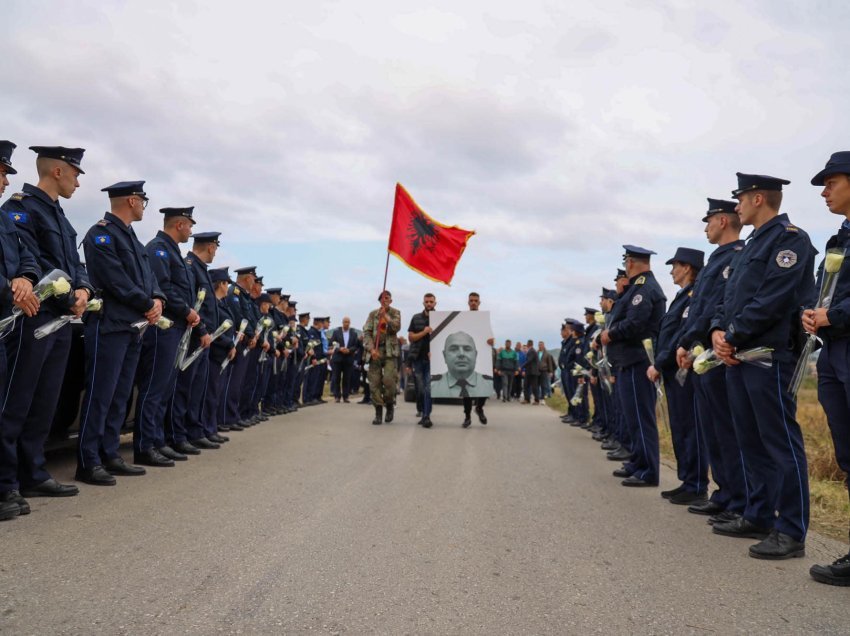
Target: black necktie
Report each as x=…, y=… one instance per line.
x=463, y=384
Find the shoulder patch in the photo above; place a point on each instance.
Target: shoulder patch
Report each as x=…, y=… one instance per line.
x=726, y=271
x=641, y=280
x=792, y=228
x=637, y=299
x=102, y=223
x=786, y=258
x=161, y=253
x=236, y=291
x=102, y=239
x=18, y=217
x=189, y=260
x=19, y=196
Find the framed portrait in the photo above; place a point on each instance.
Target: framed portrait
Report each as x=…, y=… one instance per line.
x=461, y=359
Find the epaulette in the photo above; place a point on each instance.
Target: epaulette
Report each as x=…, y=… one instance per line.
x=690, y=293
x=738, y=248
x=189, y=260
x=438, y=376
x=487, y=377
x=789, y=227
x=640, y=281
x=20, y=196
x=103, y=222
x=236, y=291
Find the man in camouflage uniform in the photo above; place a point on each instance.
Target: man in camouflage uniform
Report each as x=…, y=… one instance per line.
x=380, y=341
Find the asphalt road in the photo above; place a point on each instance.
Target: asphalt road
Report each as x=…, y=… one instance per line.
x=319, y=522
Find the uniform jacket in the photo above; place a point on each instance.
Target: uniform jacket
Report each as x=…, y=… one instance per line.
x=388, y=340
x=636, y=316
x=708, y=292
x=175, y=279
x=16, y=261
x=671, y=324
x=224, y=343
x=240, y=308
x=49, y=237
x=121, y=273
x=446, y=385
x=839, y=308
x=209, y=308
x=771, y=280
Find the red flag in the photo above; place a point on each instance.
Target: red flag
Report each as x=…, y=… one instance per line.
x=422, y=243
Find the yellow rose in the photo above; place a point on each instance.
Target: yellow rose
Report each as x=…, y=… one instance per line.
x=698, y=350
x=61, y=286
x=833, y=261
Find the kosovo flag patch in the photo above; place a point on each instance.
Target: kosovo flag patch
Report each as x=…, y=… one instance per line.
x=103, y=239
x=161, y=253
x=18, y=217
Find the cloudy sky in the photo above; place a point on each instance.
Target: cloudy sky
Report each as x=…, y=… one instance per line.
x=557, y=131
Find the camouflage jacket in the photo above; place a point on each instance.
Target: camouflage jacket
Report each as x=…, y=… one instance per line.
x=388, y=340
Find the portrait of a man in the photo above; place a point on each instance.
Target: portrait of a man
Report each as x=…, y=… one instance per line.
x=462, y=362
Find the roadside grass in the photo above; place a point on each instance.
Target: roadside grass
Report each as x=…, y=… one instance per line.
x=830, y=508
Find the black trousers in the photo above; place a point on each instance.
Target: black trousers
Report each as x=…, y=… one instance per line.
x=467, y=404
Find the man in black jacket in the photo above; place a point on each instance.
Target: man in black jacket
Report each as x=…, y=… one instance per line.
x=344, y=343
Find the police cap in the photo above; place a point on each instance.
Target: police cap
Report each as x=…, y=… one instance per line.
x=71, y=156
x=839, y=163
x=751, y=182
x=6, y=149
x=719, y=206
x=186, y=213
x=695, y=258
x=206, y=237
x=125, y=189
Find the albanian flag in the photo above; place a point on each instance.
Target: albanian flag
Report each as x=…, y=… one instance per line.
x=423, y=244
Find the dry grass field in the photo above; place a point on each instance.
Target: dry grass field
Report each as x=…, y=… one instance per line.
x=829, y=500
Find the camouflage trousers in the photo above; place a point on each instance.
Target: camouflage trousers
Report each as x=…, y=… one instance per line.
x=383, y=380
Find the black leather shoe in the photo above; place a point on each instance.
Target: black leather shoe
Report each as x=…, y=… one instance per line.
x=619, y=455
x=204, y=443
x=426, y=422
x=218, y=439
x=610, y=445
x=50, y=488
x=575, y=423
x=481, y=417
x=836, y=574
x=13, y=496
x=170, y=453
x=96, y=476
x=390, y=413
x=686, y=498
x=223, y=428
x=724, y=517
x=379, y=415
x=186, y=448
x=741, y=528
x=467, y=421
x=666, y=494
x=9, y=510
x=636, y=482
x=568, y=419
x=152, y=457
x=778, y=546
x=622, y=473
x=118, y=466
x=708, y=508
x=235, y=428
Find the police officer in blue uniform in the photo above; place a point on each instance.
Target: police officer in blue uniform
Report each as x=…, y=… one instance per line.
x=184, y=413
x=772, y=280
x=157, y=373
x=37, y=366
x=241, y=305
x=832, y=325
x=19, y=271
x=727, y=502
x=688, y=444
x=221, y=349
x=120, y=270
x=636, y=316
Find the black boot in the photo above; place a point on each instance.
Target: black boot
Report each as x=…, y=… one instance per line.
x=390, y=412
x=379, y=415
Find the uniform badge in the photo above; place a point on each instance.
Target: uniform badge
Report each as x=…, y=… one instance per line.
x=578, y=350
x=18, y=196
x=726, y=271
x=103, y=239
x=637, y=299
x=640, y=281
x=161, y=253
x=685, y=313
x=786, y=258
x=19, y=217
x=236, y=291
x=102, y=223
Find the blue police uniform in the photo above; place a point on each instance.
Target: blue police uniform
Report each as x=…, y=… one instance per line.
x=637, y=316
x=214, y=403
x=37, y=366
x=157, y=373
x=247, y=408
x=714, y=414
x=184, y=412
x=128, y=287
x=773, y=278
x=16, y=261
x=688, y=443
x=236, y=369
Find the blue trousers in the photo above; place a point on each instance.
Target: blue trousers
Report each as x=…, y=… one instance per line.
x=156, y=377
x=235, y=376
x=688, y=442
x=35, y=371
x=724, y=451
x=177, y=417
x=212, y=406
x=637, y=397
x=111, y=361
x=422, y=378
x=764, y=415
x=834, y=395
x=249, y=384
